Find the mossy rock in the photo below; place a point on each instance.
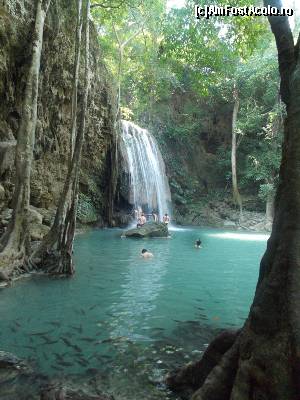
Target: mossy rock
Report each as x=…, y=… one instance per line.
x=86, y=211
x=150, y=229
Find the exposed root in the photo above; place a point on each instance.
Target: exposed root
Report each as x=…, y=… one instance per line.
x=54, y=263
x=11, y=261
x=192, y=376
x=218, y=384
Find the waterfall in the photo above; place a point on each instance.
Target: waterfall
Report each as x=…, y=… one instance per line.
x=149, y=188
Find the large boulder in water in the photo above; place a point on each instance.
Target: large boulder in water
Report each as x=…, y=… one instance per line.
x=150, y=229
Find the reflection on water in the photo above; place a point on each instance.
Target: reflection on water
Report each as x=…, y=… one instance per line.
x=122, y=321
x=137, y=302
x=255, y=237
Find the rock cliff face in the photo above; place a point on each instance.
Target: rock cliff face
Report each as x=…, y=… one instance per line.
x=54, y=108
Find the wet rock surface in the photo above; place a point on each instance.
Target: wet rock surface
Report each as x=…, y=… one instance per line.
x=4, y=276
x=9, y=360
x=150, y=229
x=221, y=214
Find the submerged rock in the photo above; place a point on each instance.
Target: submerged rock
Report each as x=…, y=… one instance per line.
x=150, y=229
x=63, y=392
x=9, y=360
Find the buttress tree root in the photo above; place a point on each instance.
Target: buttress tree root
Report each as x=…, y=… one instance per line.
x=264, y=360
x=191, y=377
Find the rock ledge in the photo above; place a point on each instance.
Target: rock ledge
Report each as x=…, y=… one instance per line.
x=150, y=229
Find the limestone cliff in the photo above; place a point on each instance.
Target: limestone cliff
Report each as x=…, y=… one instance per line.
x=54, y=108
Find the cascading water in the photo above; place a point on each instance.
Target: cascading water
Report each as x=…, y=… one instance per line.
x=149, y=188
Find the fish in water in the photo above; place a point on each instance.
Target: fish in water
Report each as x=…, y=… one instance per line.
x=77, y=328
x=203, y=316
x=29, y=347
x=59, y=356
x=76, y=348
x=94, y=306
x=40, y=333
x=116, y=339
x=17, y=324
x=56, y=367
x=83, y=363
x=13, y=329
x=92, y=371
x=87, y=339
x=107, y=340
x=64, y=363
x=67, y=341
x=57, y=324
x=48, y=339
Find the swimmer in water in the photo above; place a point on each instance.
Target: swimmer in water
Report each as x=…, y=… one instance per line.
x=146, y=254
x=198, y=244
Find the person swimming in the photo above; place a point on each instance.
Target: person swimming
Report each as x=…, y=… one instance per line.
x=146, y=254
x=198, y=244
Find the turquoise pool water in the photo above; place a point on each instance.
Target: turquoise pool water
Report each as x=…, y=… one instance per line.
x=123, y=321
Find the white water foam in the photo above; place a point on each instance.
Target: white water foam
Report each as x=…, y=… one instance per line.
x=149, y=187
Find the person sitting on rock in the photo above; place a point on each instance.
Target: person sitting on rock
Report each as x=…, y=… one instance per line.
x=154, y=216
x=141, y=221
x=146, y=254
x=166, y=219
x=198, y=244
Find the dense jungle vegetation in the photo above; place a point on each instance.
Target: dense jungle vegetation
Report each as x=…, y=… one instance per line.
x=178, y=75
x=210, y=90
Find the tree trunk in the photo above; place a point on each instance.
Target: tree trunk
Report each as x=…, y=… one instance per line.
x=268, y=347
x=55, y=251
x=75, y=76
x=15, y=241
x=235, y=191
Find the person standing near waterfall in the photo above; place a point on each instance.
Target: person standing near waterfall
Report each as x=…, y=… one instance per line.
x=166, y=219
x=154, y=216
x=141, y=221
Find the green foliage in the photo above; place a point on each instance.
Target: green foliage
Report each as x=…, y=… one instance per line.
x=86, y=212
x=174, y=69
x=171, y=52
x=260, y=122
